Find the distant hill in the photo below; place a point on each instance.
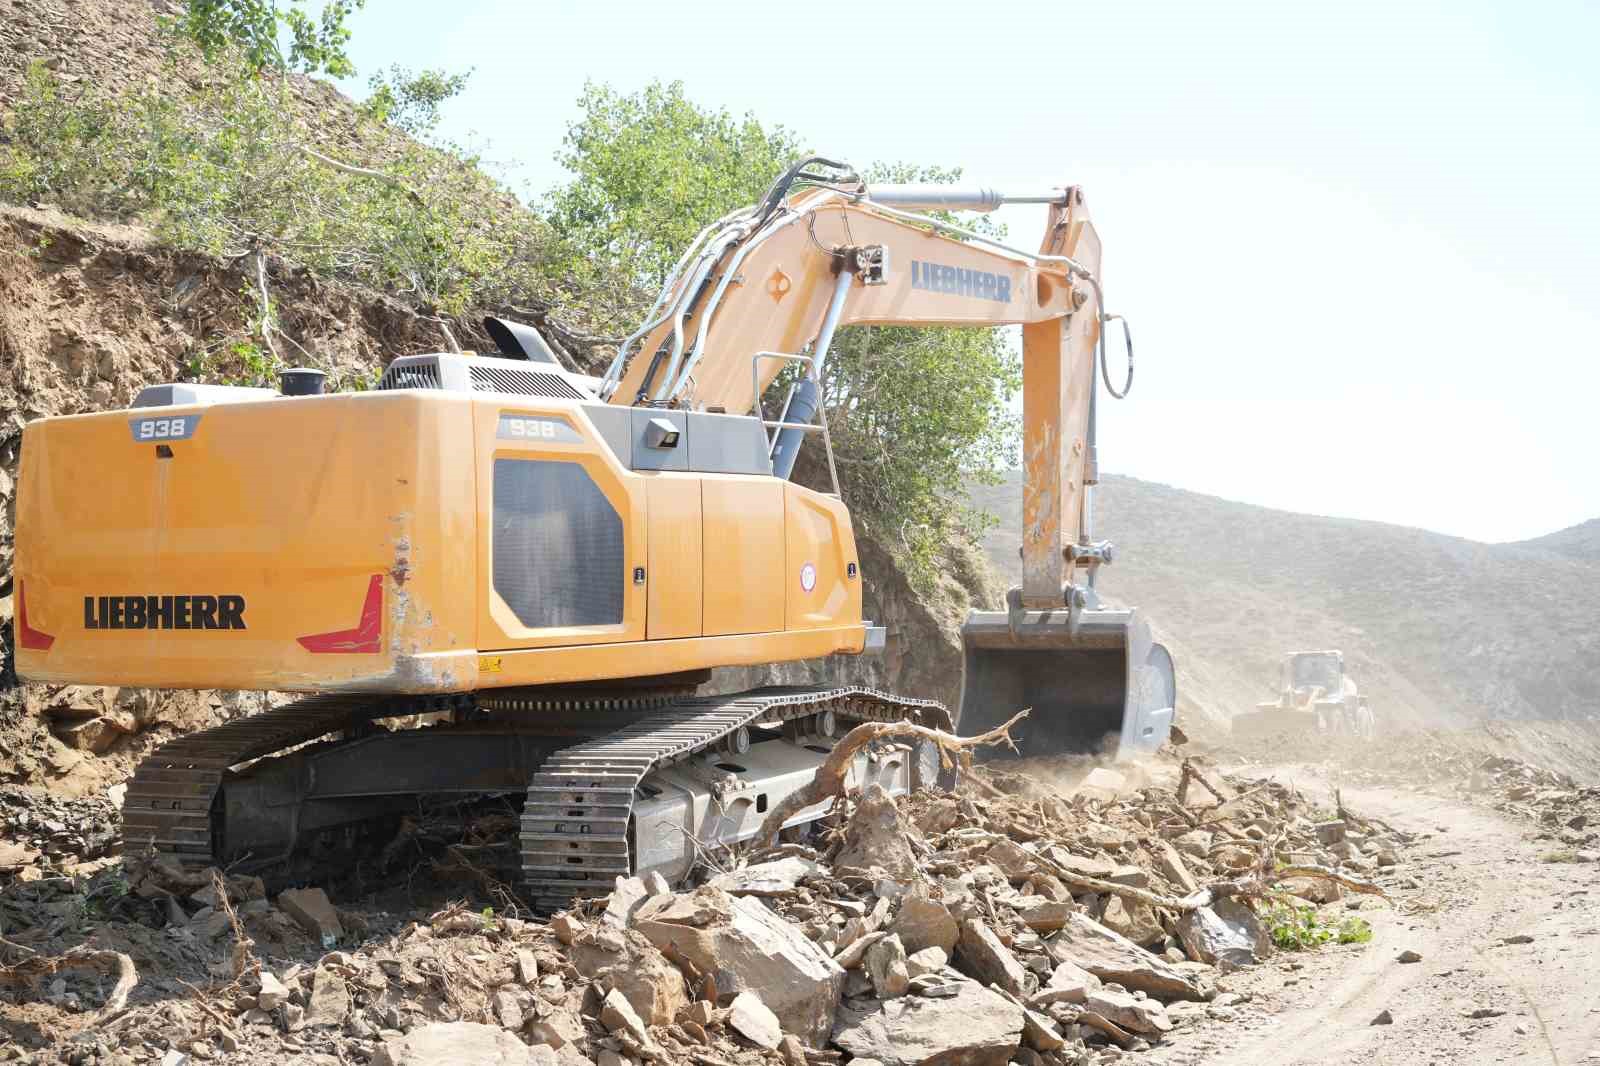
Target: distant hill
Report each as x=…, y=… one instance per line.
x=1580, y=542
x=1435, y=629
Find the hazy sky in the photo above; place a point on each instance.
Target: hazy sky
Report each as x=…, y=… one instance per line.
x=1359, y=243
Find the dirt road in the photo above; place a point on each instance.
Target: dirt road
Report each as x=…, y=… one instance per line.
x=1473, y=997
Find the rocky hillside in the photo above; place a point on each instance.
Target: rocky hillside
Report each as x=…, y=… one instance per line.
x=1436, y=629
x=1580, y=542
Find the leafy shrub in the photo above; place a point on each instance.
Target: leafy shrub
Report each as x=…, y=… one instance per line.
x=225, y=166
x=1301, y=928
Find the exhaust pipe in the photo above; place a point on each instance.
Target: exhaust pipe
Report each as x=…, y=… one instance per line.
x=301, y=381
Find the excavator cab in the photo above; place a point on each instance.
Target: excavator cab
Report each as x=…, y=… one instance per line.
x=1092, y=679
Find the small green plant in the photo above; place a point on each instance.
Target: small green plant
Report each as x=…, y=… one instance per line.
x=1302, y=928
x=1353, y=930
x=489, y=924
x=1560, y=855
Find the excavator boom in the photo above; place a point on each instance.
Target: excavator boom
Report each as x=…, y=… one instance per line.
x=779, y=279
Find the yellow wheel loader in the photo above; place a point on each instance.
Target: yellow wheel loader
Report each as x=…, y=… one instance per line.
x=1315, y=696
x=551, y=564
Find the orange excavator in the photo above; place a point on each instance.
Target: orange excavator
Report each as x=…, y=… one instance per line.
x=548, y=565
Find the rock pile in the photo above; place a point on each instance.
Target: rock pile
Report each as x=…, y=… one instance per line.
x=1012, y=922
x=1461, y=766
x=45, y=830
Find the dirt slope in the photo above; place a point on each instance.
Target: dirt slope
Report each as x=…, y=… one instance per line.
x=1435, y=628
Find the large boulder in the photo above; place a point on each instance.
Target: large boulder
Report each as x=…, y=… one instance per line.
x=877, y=834
x=629, y=963
x=925, y=923
x=975, y=1027
x=1227, y=934
x=1086, y=943
x=983, y=956
x=1134, y=920
x=747, y=947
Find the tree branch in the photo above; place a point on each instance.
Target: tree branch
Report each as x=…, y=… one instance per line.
x=364, y=172
x=829, y=780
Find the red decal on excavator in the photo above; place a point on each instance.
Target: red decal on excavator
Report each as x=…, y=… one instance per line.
x=27, y=636
x=364, y=638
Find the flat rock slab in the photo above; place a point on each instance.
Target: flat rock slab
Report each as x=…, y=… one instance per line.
x=747, y=947
x=460, y=1044
x=777, y=878
x=1089, y=945
x=751, y=1019
x=312, y=909
x=973, y=1027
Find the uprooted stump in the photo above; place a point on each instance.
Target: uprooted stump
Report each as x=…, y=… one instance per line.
x=829, y=780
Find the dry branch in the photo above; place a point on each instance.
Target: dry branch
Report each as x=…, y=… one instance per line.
x=1083, y=883
x=1189, y=773
x=110, y=963
x=829, y=780
x=365, y=172
x=243, y=959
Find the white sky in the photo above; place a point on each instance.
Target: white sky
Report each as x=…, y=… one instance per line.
x=1358, y=243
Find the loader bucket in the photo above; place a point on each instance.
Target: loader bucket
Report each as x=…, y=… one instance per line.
x=1096, y=684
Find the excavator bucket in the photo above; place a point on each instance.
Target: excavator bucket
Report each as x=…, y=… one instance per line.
x=1094, y=681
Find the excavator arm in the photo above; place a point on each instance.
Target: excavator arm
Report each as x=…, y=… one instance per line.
x=782, y=283
x=769, y=285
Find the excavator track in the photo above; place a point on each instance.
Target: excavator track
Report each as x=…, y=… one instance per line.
x=575, y=821
x=575, y=825
x=169, y=801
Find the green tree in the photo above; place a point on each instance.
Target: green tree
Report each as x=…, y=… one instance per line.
x=649, y=171
x=914, y=413
x=316, y=45
x=411, y=101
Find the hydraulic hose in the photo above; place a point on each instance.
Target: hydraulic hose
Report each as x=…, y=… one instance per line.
x=780, y=188
x=1127, y=337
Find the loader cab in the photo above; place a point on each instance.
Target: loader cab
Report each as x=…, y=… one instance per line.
x=1307, y=670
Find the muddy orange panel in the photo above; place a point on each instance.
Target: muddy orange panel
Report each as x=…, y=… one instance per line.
x=819, y=550
x=294, y=544
x=674, y=575
x=744, y=554
x=561, y=541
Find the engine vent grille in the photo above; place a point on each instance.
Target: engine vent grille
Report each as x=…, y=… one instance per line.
x=411, y=376
x=557, y=544
x=522, y=382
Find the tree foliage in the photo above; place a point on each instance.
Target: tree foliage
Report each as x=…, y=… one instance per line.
x=225, y=166
x=411, y=101
x=650, y=170
x=914, y=413
x=258, y=28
